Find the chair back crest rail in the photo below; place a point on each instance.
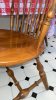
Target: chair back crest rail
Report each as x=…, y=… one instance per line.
x=44, y=22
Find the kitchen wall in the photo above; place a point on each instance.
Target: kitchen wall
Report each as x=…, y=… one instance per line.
x=5, y=22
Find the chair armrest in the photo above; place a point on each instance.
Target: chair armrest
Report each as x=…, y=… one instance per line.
x=46, y=24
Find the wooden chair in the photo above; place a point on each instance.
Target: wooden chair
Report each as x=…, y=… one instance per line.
x=17, y=47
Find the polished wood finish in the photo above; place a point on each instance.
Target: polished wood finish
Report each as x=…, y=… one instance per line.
x=22, y=22
x=46, y=40
x=48, y=9
x=11, y=74
x=46, y=24
x=32, y=18
x=41, y=20
x=17, y=47
x=23, y=93
x=17, y=17
x=28, y=17
x=42, y=73
x=45, y=19
x=37, y=19
x=12, y=16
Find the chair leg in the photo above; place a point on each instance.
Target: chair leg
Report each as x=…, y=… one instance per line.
x=42, y=73
x=46, y=40
x=23, y=92
x=11, y=74
x=43, y=44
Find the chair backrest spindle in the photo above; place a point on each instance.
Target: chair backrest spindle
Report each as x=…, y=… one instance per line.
x=28, y=17
x=37, y=19
x=12, y=16
x=41, y=20
x=17, y=17
x=33, y=18
x=23, y=17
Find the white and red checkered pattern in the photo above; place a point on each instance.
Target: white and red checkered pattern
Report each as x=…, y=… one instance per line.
x=5, y=6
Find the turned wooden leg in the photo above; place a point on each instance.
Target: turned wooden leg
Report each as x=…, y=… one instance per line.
x=42, y=73
x=46, y=40
x=11, y=74
x=23, y=93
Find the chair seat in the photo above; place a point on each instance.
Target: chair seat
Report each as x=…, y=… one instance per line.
x=17, y=48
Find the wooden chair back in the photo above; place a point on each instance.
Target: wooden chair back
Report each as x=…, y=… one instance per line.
x=44, y=22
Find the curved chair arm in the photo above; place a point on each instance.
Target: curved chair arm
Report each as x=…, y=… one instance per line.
x=46, y=24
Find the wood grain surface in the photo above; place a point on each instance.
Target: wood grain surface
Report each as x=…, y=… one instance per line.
x=17, y=48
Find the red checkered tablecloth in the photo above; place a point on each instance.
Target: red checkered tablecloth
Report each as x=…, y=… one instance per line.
x=5, y=6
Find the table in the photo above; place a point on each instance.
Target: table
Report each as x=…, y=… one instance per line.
x=5, y=6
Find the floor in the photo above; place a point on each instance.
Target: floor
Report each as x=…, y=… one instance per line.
x=27, y=73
